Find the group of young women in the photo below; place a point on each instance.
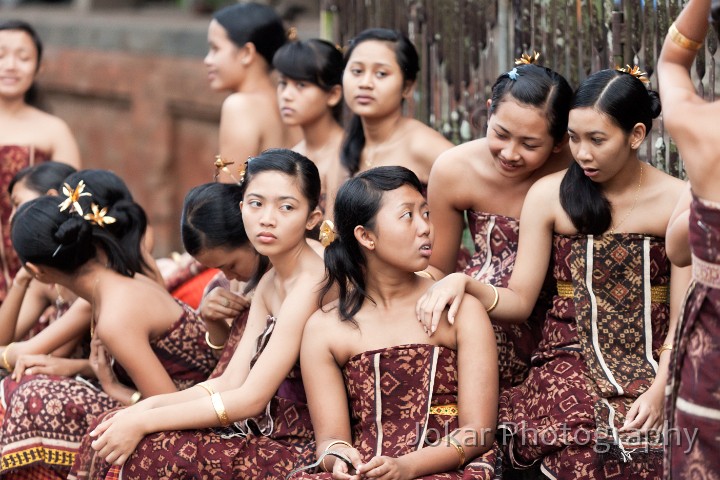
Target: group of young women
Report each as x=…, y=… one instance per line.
x=379, y=355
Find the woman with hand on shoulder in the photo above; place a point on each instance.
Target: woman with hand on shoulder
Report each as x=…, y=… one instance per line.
x=157, y=345
x=27, y=134
x=381, y=67
x=488, y=179
x=382, y=394
x=597, y=380
x=251, y=421
x=310, y=97
x=692, y=122
x=242, y=40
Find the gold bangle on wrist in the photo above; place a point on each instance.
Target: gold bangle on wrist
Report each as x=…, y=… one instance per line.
x=664, y=347
x=207, y=387
x=459, y=448
x=220, y=411
x=327, y=449
x=496, y=300
x=135, y=397
x=212, y=345
x=681, y=40
x=5, y=361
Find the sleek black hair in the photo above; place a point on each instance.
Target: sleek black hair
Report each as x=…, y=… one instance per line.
x=357, y=203
x=211, y=218
x=316, y=61
x=254, y=23
x=409, y=62
x=42, y=177
x=539, y=87
x=44, y=235
x=626, y=101
x=32, y=95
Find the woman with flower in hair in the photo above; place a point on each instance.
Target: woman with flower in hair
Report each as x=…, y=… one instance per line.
x=158, y=345
x=592, y=404
x=487, y=180
x=692, y=407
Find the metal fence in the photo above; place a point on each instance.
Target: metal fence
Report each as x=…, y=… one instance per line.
x=465, y=44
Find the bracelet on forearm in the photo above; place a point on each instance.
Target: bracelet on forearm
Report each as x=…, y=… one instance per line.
x=212, y=345
x=5, y=361
x=664, y=347
x=458, y=448
x=496, y=300
x=135, y=397
x=327, y=449
x=220, y=411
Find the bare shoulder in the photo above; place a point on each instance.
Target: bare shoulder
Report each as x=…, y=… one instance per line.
x=547, y=187
x=460, y=158
x=664, y=183
x=48, y=123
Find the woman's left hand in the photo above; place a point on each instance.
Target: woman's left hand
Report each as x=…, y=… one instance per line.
x=118, y=437
x=384, y=468
x=646, y=413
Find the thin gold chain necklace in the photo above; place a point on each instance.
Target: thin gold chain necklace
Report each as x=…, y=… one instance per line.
x=613, y=227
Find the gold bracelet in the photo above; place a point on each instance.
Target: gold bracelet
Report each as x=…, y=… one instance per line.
x=496, y=300
x=681, y=40
x=459, y=448
x=207, y=387
x=334, y=442
x=212, y=345
x=220, y=411
x=664, y=347
x=135, y=397
x=5, y=361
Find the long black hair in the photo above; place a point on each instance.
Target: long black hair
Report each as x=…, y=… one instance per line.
x=409, y=62
x=253, y=23
x=357, y=203
x=211, y=218
x=316, y=61
x=42, y=177
x=626, y=101
x=44, y=235
x=539, y=87
x=32, y=97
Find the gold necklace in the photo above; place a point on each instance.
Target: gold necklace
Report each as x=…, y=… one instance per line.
x=637, y=197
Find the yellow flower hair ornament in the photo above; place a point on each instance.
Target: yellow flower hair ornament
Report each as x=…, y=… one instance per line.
x=73, y=197
x=221, y=165
x=635, y=72
x=327, y=233
x=526, y=59
x=99, y=216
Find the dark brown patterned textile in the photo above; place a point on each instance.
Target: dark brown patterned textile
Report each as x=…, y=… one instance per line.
x=496, y=242
x=268, y=446
x=47, y=416
x=13, y=158
x=693, y=407
x=587, y=372
x=391, y=392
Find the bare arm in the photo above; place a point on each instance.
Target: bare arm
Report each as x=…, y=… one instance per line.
x=446, y=217
x=65, y=148
x=677, y=239
x=22, y=307
x=240, y=136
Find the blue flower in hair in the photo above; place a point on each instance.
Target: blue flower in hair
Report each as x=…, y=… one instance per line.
x=513, y=74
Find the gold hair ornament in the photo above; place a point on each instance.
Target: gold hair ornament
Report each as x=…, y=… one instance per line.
x=221, y=165
x=73, y=195
x=526, y=59
x=327, y=233
x=99, y=216
x=635, y=72
x=292, y=34
x=242, y=170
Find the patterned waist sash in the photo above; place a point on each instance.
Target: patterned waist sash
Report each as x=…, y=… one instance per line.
x=450, y=409
x=705, y=272
x=658, y=293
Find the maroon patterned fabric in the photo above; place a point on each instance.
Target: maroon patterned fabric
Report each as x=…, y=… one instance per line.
x=13, y=158
x=567, y=413
x=693, y=408
x=496, y=242
x=391, y=391
x=47, y=416
x=268, y=446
